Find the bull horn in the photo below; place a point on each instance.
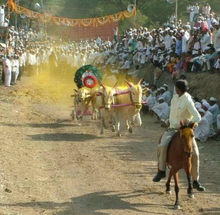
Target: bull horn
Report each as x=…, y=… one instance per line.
x=115, y=85
x=140, y=81
x=103, y=85
x=129, y=84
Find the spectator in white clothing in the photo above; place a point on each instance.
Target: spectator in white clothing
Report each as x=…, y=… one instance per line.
x=162, y=110
x=214, y=109
x=203, y=129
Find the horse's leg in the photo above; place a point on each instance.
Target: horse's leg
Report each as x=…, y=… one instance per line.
x=168, y=191
x=176, y=179
x=190, y=189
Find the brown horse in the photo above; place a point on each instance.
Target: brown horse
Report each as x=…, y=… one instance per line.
x=179, y=156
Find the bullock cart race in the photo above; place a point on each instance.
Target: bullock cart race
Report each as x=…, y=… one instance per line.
x=117, y=114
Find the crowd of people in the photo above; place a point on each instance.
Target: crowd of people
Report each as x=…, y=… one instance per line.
x=177, y=50
x=158, y=102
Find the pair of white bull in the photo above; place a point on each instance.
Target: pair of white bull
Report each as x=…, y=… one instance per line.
x=111, y=105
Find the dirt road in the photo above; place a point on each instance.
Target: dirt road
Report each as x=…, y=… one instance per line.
x=52, y=166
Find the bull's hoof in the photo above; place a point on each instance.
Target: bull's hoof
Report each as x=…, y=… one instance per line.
x=113, y=129
x=168, y=192
x=118, y=135
x=191, y=195
x=177, y=207
x=130, y=130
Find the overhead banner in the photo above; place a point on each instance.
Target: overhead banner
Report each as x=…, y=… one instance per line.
x=45, y=18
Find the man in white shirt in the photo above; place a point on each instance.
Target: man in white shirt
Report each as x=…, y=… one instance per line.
x=217, y=36
x=2, y=15
x=205, y=40
x=182, y=108
x=185, y=38
x=196, y=10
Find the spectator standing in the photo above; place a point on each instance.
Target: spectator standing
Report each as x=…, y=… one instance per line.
x=7, y=71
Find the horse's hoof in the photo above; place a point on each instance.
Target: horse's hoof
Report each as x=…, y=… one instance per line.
x=177, y=207
x=191, y=196
x=130, y=130
x=168, y=192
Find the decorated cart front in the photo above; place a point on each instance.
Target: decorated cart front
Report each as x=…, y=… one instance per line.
x=87, y=76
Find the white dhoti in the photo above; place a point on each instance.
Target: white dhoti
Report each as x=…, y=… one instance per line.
x=7, y=78
x=160, y=114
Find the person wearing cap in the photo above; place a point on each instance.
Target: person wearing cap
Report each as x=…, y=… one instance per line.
x=167, y=94
x=205, y=40
x=185, y=38
x=182, y=108
x=208, y=115
x=217, y=36
x=198, y=105
x=178, y=48
x=191, y=14
x=202, y=131
x=214, y=108
x=168, y=40
x=162, y=110
x=151, y=99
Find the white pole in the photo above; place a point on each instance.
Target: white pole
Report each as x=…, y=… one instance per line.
x=176, y=14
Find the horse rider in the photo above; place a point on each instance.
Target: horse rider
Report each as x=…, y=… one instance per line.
x=182, y=108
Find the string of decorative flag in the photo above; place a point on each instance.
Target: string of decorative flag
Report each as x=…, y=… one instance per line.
x=61, y=21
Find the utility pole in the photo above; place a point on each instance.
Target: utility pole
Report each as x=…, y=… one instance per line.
x=176, y=13
x=16, y=17
x=43, y=12
x=135, y=5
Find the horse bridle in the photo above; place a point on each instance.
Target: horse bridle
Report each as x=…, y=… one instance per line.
x=188, y=154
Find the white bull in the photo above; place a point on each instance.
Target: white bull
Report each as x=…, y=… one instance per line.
x=131, y=113
x=102, y=101
x=81, y=102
